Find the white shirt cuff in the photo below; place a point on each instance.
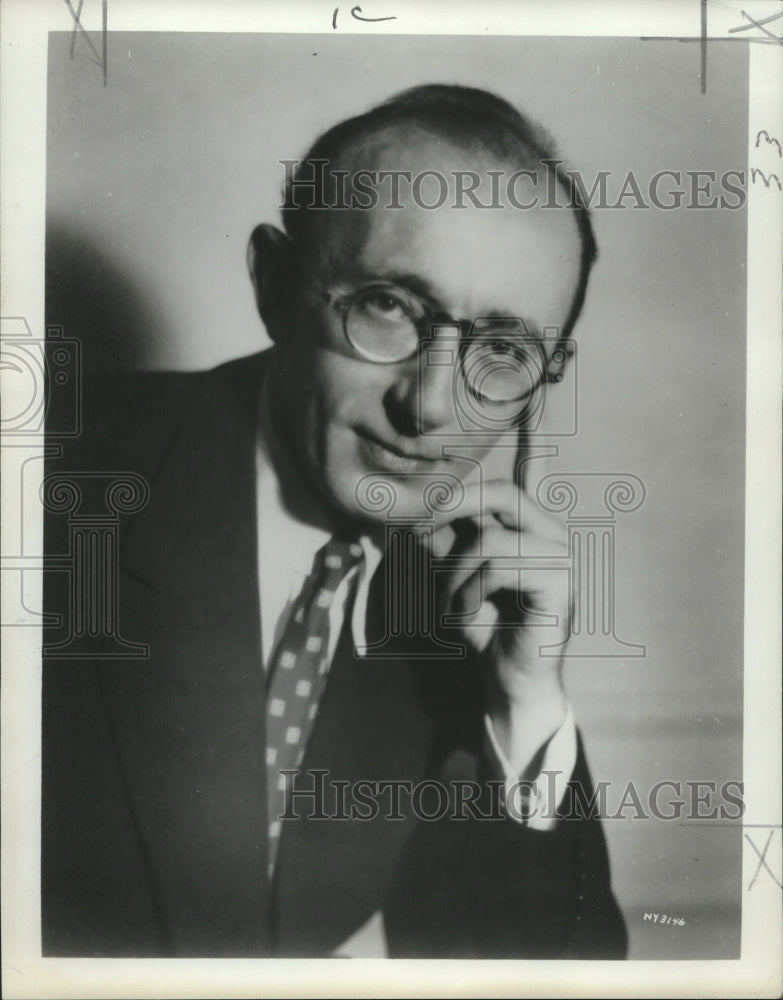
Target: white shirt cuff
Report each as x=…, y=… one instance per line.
x=534, y=803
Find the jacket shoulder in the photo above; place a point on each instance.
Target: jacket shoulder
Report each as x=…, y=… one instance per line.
x=128, y=420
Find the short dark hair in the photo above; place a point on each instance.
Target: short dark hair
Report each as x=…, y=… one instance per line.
x=471, y=118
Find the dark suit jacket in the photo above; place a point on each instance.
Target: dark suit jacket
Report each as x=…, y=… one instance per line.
x=154, y=802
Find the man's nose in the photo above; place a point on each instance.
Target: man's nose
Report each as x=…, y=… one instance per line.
x=425, y=392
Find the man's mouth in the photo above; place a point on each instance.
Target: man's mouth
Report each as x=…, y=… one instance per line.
x=388, y=457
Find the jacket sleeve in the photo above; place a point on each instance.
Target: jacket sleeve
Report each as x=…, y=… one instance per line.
x=479, y=887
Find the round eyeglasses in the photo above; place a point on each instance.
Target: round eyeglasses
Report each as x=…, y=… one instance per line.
x=501, y=361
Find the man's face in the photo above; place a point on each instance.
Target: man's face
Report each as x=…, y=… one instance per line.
x=348, y=418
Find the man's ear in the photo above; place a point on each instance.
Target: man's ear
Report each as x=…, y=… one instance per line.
x=270, y=261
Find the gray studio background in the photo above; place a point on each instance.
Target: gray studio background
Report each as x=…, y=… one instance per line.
x=155, y=182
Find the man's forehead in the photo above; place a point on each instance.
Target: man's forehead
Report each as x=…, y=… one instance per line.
x=480, y=256
x=477, y=261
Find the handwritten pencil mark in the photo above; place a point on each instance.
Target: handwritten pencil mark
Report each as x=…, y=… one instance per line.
x=356, y=12
x=768, y=37
x=100, y=59
x=77, y=27
x=770, y=140
x=766, y=178
x=76, y=24
x=357, y=15
x=762, y=855
x=753, y=23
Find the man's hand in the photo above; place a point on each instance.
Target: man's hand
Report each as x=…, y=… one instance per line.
x=503, y=609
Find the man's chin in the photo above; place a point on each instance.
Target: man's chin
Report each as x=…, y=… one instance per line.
x=417, y=499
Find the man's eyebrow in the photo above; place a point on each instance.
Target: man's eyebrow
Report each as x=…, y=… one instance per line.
x=402, y=279
x=424, y=290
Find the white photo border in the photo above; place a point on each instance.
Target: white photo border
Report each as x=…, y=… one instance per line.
x=23, y=41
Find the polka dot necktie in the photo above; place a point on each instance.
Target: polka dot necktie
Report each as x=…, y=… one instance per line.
x=297, y=675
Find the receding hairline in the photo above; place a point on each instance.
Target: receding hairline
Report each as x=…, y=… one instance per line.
x=502, y=133
x=336, y=236
x=367, y=150
x=468, y=119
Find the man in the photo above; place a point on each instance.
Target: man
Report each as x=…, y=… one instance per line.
x=324, y=577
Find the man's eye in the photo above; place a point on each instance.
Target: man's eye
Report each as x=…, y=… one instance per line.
x=382, y=305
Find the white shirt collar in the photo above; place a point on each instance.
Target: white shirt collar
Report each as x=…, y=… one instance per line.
x=289, y=539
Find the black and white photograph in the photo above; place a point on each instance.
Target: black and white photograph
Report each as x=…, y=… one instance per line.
x=391, y=562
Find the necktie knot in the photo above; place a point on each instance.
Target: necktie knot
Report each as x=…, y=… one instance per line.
x=334, y=561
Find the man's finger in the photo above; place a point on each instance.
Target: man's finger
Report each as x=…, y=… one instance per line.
x=507, y=503
x=526, y=594
x=501, y=551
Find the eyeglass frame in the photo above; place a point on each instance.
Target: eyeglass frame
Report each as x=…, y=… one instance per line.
x=553, y=368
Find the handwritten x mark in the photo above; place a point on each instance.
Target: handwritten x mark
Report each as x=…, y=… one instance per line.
x=753, y=23
x=78, y=26
x=762, y=861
